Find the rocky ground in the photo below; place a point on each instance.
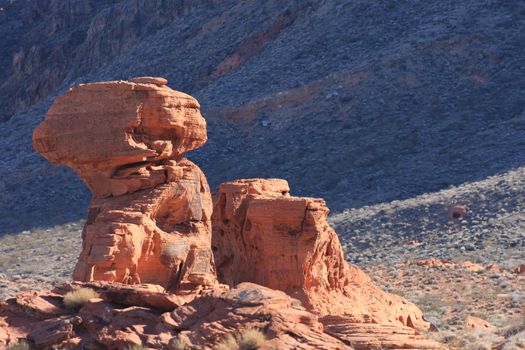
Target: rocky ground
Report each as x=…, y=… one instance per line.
x=388, y=241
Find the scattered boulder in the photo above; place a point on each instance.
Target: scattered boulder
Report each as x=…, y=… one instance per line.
x=494, y=268
x=433, y=262
x=55, y=331
x=458, y=213
x=476, y=322
x=150, y=217
x=470, y=266
x=43, y=304
x=520, y=269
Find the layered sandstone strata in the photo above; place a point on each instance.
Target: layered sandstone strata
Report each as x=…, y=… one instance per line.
x=149, y=219
x=148, y=232
x=263, y=235
x=127, y=316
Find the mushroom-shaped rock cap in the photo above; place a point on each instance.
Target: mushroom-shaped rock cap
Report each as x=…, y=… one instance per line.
x=96, y=128
x=150, y=80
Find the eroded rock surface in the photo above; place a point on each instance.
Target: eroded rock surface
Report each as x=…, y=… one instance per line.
x=263, y=235
x=105, y=323
x=147, y=243
x=149, y=219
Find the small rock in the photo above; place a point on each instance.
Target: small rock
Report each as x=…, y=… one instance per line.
x=475, y=322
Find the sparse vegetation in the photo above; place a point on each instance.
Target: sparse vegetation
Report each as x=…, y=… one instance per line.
x=228, y=342
x=470, y=339
x=137, y=347
x=179, y=344
x=77, y=298
x=18, y=346
x=251, y=339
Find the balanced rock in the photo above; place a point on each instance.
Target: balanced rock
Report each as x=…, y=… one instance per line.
x=263, y=235
x=147, y=243
x=150, y=217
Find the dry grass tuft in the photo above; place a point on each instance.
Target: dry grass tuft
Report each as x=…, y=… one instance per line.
x=227, y=343
x=137, y=347
x=469, y=340
x=179, y=344
x=78, y=298
x=251, y=339
x=18, y=346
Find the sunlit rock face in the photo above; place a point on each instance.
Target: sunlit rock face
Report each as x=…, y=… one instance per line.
x=149, y=234
x=150, y=217
x=263, y=235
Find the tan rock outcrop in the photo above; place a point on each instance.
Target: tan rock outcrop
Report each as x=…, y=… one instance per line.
x=263, y=235
x=476, y=322
x=150, y=217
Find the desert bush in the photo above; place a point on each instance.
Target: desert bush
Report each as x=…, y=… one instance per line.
x=468, y=340
x=515, y=327
x=18, y=346
x=228, y=342
x=179, y=344
x=251, y=339
x=137, y=347
x=77, y=298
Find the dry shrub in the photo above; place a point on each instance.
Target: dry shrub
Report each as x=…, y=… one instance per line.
x=18, y=346
x=179, y=344
x=228, y=342
x=137, y=347
x=251, y=339
x=78, y=298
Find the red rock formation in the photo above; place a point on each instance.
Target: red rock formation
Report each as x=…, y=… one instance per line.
x=149, y=231
x=103, y=323
x=433, y=262
x=263, y=235
x=149, y=220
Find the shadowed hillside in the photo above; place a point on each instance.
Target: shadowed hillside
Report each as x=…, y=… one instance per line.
x=360, y=102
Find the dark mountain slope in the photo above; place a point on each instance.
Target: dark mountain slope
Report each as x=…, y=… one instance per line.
x=358, y=102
